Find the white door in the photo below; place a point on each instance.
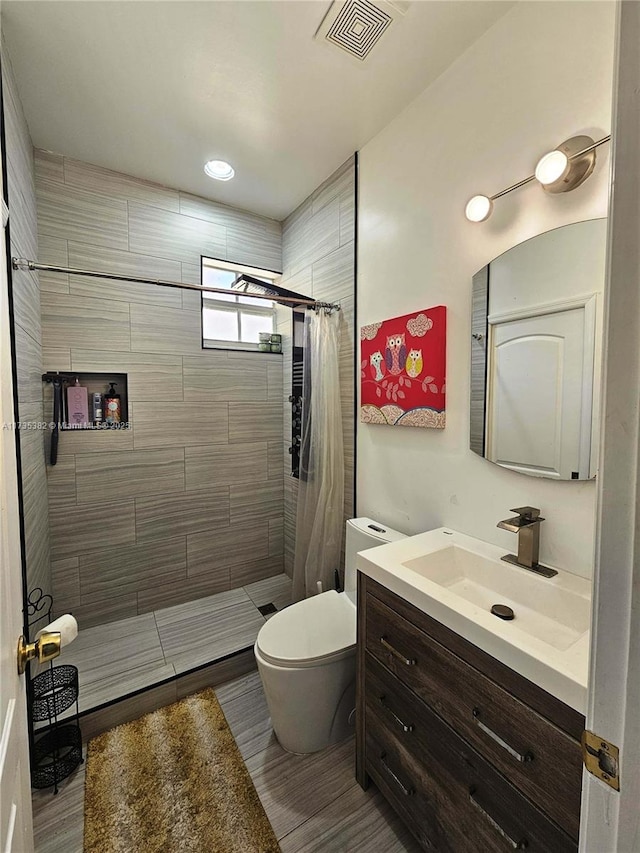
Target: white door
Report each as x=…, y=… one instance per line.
x=16, y=833
x=540, y=399
x=611, y=819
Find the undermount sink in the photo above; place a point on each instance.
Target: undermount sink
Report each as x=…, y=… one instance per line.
x=553, y=615
x=457, y=579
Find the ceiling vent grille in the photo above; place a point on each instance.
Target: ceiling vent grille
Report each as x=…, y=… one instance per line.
x=356, y=26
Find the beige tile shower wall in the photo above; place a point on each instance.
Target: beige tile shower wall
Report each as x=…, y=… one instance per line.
x=28, y=333
x=318, y=253
x=189, y=501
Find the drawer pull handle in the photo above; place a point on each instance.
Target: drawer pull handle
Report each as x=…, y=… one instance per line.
x=522, y=758
x=516, y=845
x=396, y=653
x=406, y=727
x=408, y=792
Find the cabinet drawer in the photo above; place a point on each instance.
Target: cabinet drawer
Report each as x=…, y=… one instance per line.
x=432, y=771
x=539, y=758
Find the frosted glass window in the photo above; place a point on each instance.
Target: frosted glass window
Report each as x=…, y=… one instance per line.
x=252, y=324
x=219, y=325
x=212, y=277
x=233, y=320
x=248, y=300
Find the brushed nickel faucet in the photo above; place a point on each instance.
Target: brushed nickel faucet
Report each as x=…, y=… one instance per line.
x=527, y=525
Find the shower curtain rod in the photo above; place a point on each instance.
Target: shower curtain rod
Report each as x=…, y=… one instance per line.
x=24, y=264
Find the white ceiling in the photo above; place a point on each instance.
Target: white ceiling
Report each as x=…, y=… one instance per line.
x=154, y=89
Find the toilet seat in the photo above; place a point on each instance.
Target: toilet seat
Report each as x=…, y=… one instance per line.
x=315, y=631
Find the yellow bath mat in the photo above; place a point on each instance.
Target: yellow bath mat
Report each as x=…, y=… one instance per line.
x=173, y=782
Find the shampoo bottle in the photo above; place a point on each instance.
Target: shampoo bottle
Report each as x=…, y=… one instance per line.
x=78, y=406
x=112, y=406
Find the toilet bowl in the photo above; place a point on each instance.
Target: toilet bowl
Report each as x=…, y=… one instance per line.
x=306, y=656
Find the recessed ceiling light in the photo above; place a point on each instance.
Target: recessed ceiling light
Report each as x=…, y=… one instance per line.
x=219, y=169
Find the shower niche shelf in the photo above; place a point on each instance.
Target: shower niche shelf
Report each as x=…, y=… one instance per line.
x=95, y=383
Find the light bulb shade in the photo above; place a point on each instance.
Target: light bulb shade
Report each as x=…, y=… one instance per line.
x=553, y=167
x=219, y=169
x=478, y=208
x=566, y=167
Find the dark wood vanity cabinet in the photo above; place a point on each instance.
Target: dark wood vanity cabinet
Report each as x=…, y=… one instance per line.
x=470, y=754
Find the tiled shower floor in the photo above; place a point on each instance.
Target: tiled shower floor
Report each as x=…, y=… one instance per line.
x=123, y=657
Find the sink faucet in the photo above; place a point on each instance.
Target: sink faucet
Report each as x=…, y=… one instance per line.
x=527, y=525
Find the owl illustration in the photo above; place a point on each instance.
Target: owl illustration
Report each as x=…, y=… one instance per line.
x=414, y=363
x=378, y=368
x=395, y=354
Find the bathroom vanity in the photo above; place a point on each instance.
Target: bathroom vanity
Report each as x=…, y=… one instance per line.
x=472, y=754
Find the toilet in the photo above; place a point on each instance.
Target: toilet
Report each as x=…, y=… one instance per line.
x=306, y=655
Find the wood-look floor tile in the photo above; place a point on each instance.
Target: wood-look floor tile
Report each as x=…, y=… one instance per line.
x=357, y=822
x=58, y=821
x=219, y=673
x=114, y=651
x=249, y=721
x=293, y=788
x=127, y=709
x=275, y=590
x=235, y=687
x=189, y=643
x=109, y=687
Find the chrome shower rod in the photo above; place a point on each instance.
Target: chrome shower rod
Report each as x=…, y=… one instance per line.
x=24, y=264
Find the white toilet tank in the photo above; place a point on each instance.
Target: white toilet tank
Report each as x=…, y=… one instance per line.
x=363, y=533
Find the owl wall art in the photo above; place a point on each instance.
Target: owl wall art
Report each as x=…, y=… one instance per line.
x=402, y=370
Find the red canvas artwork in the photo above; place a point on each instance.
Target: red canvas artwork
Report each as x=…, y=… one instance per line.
x=402, y=370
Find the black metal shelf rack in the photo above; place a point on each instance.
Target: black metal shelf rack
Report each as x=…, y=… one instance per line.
x=57, y=746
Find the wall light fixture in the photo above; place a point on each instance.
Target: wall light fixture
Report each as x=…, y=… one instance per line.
x=558, y=171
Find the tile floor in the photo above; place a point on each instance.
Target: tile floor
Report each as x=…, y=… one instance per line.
x=132, y=654
x=313, y=802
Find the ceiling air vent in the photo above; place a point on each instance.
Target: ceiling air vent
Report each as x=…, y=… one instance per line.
x=356, y=26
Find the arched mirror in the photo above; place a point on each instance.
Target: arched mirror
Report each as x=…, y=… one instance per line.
x=536, y=353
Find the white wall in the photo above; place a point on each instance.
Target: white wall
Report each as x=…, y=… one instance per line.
x=543, y=73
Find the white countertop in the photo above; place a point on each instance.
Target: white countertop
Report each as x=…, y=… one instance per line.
x=562, y=672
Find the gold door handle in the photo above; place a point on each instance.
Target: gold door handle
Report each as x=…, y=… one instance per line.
x=45, y=648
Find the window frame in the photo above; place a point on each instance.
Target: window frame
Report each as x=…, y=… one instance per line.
x=235, y=306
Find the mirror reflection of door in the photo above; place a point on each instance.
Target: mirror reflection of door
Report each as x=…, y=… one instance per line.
x=536, y=347
x=539, y=412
